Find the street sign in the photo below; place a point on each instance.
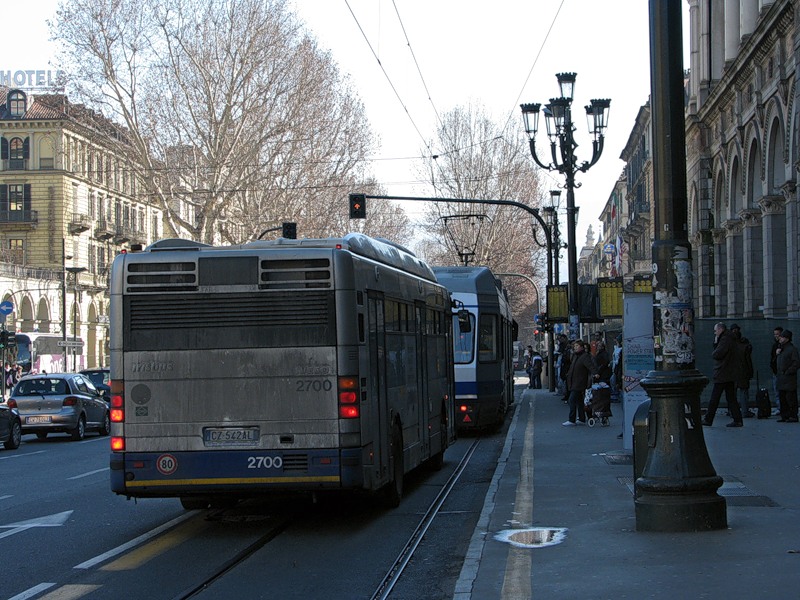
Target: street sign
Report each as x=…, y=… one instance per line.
x=6, y=307
x=70, y=343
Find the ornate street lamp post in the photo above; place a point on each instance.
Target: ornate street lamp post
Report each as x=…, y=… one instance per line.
x=74, y=349
x=558, y=119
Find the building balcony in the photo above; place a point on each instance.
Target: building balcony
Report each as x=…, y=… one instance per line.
x=138, y=237
x=79, y=224
x=104, y=230
x=19, y=217
x=122, y=234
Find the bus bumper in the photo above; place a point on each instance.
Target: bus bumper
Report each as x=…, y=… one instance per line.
x=165, y=474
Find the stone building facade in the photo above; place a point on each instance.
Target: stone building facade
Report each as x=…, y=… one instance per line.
x=70, y=201
x=741, y=143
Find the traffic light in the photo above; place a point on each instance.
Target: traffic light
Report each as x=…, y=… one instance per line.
x=290, y=231
x=3, y=339
x=11, y=340
x=358, y=206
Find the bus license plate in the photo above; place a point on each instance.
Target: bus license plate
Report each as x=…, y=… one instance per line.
x=40, y=419
x=230, y=436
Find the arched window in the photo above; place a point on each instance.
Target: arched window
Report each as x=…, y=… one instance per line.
x=17, y=153
x=17, y=103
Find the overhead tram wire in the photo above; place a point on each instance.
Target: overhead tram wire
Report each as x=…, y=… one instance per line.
x=533, y=66
x=388, y=79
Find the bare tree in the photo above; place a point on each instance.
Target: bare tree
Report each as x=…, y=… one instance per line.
x=231, y=108
x=483, y=160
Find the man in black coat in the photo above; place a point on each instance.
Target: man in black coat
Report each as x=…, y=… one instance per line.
x=788, y=362
x=579, y=379
x=726, y=366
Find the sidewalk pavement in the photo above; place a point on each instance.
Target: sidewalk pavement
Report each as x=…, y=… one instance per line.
x=580, y=479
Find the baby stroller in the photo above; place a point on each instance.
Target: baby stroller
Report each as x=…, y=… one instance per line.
x=598, y=404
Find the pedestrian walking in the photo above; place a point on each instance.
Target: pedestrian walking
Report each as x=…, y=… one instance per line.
x=537, y=365
x=787, y=364
x=724, y=377
x=773, y=364
x=579, y=379
x=529, y=365
x=744, y=355
x=602, y=362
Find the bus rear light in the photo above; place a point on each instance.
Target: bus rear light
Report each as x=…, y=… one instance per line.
x=117, y=444
x=70, y=401
x=117, y=415
x=347, y=397
x=116, y=401
x=349, y=411
x=348, y=383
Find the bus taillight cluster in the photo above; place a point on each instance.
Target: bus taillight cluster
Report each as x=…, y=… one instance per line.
x=117, y=413
x=348, y=398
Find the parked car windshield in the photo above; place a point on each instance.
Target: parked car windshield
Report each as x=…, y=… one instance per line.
x=41, y=387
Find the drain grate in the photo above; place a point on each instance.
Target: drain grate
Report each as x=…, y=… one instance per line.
x=734, y=492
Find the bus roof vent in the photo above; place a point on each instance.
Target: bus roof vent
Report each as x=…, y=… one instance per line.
x=176, y=244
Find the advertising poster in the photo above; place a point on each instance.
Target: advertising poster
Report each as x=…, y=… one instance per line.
x=638, y=357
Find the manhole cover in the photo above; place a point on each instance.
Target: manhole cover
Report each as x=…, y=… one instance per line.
x=537, y=537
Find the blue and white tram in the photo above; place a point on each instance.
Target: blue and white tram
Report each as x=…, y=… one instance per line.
x=483, y=356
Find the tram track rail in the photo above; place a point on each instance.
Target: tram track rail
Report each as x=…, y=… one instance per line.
x=393, y=573
x=399, y=565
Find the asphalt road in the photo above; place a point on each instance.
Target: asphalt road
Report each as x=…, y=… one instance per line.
x=63, y=534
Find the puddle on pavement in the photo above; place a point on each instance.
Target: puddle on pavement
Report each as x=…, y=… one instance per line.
x=536, y=537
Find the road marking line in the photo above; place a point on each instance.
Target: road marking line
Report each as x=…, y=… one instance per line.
x=30, y=593
x=169, y=540
x=133, y=543
x=97, y=439
x=517, y=578
x=6, y=497
x=71, y=592
x=89, y=473
x=22, y=455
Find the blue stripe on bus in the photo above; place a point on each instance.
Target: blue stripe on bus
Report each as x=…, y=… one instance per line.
x=139, y=472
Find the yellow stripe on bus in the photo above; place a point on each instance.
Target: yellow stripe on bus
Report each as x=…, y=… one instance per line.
x=231, y=481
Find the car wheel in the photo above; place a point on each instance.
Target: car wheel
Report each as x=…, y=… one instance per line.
x=80, y=430
x=105, y=427
x=42, y=435
x=14, y=440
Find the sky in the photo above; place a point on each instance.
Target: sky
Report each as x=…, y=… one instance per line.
x=436, y=55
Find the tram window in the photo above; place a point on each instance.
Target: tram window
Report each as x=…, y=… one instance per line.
x=487, y=338
x=463, y=343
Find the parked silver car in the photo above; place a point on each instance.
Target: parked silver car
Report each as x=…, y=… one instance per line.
x=67, y=402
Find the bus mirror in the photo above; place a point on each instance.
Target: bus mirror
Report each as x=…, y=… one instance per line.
x=464, y=324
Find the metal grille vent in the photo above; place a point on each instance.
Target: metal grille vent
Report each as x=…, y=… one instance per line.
x=238, y=311
x=295, y=462
x=295, y=274
x=162, y=277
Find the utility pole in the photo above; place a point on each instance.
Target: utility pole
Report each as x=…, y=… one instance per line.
x=677, y=490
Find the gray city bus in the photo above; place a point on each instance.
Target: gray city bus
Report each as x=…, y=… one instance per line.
x=301, y=365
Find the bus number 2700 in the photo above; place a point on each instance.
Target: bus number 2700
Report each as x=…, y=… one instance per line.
x=264, y=462
x=313, y=385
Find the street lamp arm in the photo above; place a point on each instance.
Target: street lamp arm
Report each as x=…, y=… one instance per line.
x=536, y=238
x=537, y=160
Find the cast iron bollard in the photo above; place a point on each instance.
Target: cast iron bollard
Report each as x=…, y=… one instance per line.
x=641, y=438
x=678, y=488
